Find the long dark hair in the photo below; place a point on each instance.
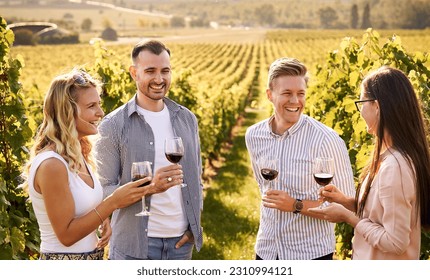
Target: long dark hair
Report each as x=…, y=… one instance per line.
x=401, y=117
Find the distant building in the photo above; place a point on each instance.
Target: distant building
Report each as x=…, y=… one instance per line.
x=43, y=31
x=40, y=29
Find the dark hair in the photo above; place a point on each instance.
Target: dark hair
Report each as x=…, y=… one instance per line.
x=155, y=47
x=401, y=117
x=286, y=66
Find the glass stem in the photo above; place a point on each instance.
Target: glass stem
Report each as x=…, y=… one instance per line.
x=143, y=203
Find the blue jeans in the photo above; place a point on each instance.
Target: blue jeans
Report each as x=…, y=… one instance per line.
x=164, y=249
x=160, y=249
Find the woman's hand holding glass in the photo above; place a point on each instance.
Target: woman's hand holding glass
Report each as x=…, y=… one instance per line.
x=331, y=194
x=323, y=172
x=164, y=178
x=340, y=209
x=128, y=193
x=140, y=170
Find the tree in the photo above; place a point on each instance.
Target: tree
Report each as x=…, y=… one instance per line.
x=177, y=21
x=265, y=14
x=327, y=16
x=200, y=21
x=109, y=34
x=417, y=15
x=365, y=23
x=86, y=25
x=24, y=37
x=354, y=16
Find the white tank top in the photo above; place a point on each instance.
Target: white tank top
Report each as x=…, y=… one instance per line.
x=85, y=198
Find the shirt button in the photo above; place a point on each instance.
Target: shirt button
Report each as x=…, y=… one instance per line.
x=151, y=143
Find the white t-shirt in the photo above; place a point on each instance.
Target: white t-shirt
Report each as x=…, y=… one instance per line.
x=85, y=198
x=167, y=211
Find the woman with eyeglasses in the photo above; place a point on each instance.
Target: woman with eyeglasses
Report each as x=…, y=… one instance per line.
x=392, y=203
x=66, y=195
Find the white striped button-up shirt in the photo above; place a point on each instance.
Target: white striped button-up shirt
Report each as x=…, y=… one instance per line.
x=287, y=235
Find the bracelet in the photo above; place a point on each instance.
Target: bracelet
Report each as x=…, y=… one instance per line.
x=98, y=214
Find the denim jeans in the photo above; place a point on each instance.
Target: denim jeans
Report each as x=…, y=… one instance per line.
x=164, y=249
x=159, y=249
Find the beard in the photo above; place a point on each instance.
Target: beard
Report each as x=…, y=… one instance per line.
x=154, y=94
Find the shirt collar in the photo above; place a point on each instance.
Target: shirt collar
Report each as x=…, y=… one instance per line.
x=171, y=105
x=293, y=129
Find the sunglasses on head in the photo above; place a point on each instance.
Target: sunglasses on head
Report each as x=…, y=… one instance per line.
x=80, y=78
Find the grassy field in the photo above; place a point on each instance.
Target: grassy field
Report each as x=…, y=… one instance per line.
x=231, y=207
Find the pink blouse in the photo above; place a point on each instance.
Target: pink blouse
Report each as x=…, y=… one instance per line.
x=390, y=228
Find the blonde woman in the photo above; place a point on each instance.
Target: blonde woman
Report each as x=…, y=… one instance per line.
x=66, y=195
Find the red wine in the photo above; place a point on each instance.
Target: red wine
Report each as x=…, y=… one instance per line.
x=174, y=157
x=138, y=177
x=323, y=179
x=269, y=174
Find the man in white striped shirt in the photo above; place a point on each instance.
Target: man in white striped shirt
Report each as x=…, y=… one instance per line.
x=288, y=231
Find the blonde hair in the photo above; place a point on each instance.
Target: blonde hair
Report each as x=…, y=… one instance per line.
x=58, y=129
x=286, y=66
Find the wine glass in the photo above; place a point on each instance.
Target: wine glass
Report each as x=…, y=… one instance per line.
x=174, y=151
x=269, y=171
x=140, y=170
x=323, y=171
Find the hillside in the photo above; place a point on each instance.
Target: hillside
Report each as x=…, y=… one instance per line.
x=133, y=14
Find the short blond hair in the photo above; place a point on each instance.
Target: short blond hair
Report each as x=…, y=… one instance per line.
x=286, y=66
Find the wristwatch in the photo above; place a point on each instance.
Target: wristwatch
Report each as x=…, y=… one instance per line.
x=298, y=206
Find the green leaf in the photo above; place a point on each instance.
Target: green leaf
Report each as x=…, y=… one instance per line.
x=9, y=37
x=354, y=78
x=17, y=240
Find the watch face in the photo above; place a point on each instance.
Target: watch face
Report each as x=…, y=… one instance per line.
x=298, y=205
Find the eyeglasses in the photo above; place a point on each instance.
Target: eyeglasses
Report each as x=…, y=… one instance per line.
x=359, y=104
